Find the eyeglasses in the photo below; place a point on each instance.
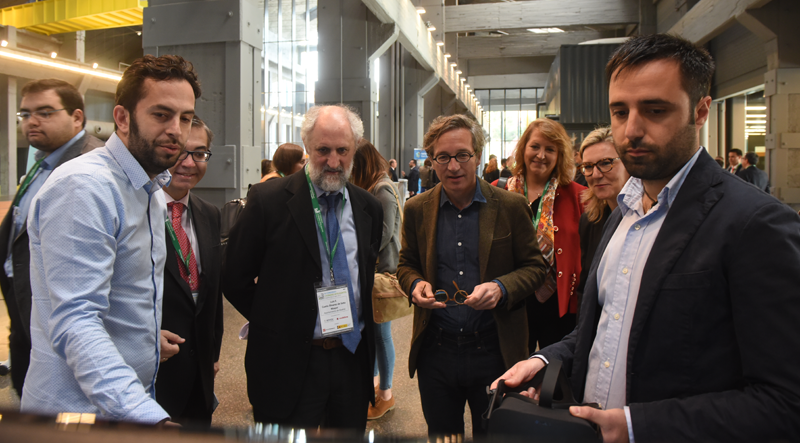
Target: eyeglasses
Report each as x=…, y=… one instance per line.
x=197, y=156
x=40, y=115
x=461, y=157
x=443, y=297
x=603, y=165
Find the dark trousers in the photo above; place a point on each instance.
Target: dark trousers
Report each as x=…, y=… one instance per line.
x=195, y=415
x=544, y=324
x=19, y=343
x=454, y=370
x=332, y=392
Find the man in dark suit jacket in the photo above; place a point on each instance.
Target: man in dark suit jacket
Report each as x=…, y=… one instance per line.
x=735, y=161
x=465, y=234
x=413, y=178
x=299, y=372
x=52, y=120
x=393, y=169
x=192, y=312
x=683, y=335
x=751, y=174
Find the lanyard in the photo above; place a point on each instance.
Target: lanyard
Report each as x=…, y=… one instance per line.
x=176, y=244
x=320, y=223
x=32, y=174
x=541, y=199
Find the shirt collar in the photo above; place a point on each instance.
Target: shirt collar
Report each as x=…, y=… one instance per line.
x=136, y=174
x=631, y=193
x=478, y=197
x=184, y=200
x=50, y=161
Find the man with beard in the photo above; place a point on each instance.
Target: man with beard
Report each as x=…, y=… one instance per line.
x=677, y=341
x=97, y=240
x=312, y=240
x=52, y=119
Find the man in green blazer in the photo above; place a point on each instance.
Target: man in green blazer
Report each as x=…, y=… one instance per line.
x=474, y=246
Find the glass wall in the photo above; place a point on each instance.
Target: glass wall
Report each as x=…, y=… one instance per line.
x=507, y=112
x=290, y=69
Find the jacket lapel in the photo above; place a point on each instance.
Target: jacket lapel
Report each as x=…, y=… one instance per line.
x=487, y=223
x=299, y=206
x=430, y=216
x=173, y=268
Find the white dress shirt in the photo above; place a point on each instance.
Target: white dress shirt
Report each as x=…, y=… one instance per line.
x=188, y=227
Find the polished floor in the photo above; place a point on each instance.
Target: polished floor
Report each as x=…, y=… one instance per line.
x=406, y=420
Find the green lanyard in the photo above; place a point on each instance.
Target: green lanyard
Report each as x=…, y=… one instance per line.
x=320, y=223
x=177, y=245
x=541, y=199
x=27, y=182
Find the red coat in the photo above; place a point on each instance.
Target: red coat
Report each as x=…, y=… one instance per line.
x=567, y=211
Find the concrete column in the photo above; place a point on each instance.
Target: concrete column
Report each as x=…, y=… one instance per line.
x=782, y=92
x=74, y=46
x=736, y=118
x=223, y=39
x=8, y=124
x=711, y=129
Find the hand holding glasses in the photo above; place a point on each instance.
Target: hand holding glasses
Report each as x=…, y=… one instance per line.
x=460, y=297
x=604, y=165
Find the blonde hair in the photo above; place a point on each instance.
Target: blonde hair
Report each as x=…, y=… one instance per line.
x=595, y=206
x=556, y=134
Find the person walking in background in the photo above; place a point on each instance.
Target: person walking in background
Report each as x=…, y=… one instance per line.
x=288, y=159
x=491, y=173
x=425, y=176
x=370, y=172
x=413, y=178
x=751, y=174
x=266, y=167
x=734, y=160
x=506, y=171
x=544, y=170
x=393, y=169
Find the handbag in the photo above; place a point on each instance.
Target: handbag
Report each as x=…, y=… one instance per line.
x=389, y=302
x=513, y=416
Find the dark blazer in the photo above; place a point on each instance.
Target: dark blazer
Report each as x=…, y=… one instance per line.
x=755, y=176
x=591, y=233
x=393, y=172
x=275, y=239
x=200, y=324
x=710, y=356
x=18, y=297
x=509, y=253
x=413, y=179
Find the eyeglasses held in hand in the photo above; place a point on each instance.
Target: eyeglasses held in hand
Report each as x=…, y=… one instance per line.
x=197, y=156
x=40, y=115
x=442, y=296
x=461, y=157
x=604, y=165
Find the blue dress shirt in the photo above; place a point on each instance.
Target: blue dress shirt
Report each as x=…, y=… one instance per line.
x=97, y=240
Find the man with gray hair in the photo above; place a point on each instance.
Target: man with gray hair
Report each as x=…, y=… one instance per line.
x=312, y=240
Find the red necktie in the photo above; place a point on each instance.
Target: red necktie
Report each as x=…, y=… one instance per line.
x=193, y=280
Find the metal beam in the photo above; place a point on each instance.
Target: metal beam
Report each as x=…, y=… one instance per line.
x=522, y=45
x=708, y=18
x=540, y=14
x=59, y=16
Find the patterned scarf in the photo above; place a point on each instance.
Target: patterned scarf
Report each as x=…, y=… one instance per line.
x=545, y=232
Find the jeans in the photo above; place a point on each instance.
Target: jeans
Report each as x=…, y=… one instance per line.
x=384, y=354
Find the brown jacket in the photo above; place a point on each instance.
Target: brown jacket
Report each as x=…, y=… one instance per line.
x=509, y=253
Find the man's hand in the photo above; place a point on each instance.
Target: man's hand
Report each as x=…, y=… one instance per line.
x=485, y=296
x=423, y=297
x=169, y=344
x=612, y=422
x=520, y=373
x=216, y=368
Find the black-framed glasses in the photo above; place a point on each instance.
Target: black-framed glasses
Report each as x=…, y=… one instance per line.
x=604, y=165
x=461, y=157
x=460, y=297
x=40, y=115
x=197, y=156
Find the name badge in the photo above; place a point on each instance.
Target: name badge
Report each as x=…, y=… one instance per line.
x=335, y=315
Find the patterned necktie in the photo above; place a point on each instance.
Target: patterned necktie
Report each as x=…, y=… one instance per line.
x=341, y=272
x=193, y=280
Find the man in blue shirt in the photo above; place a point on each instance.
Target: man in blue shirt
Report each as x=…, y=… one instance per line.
x=476, y=243
x=52, y=120
x=97, y=238
x=688, y=324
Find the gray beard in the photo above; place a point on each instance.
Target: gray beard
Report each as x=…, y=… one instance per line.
x=329, y=184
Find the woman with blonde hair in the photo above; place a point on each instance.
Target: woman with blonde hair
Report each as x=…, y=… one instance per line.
x=543, y=172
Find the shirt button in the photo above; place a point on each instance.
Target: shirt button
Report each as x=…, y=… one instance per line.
x=459, y=215
x=559, y=273
x=616, y=316
x=559, y=251
x=606, y=364
x=624, y=270
x=637, y=226
x=555, y=228
x=459, y=243
x=460, y=272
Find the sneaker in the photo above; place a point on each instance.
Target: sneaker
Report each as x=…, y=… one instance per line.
x=380, y=409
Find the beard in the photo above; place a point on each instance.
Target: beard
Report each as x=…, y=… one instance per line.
x=663, y=162
x=327, y=182
x=146, y=152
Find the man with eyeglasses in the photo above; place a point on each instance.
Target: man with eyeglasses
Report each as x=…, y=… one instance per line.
x=469, y=260
x=52, y=119
x=191, y=325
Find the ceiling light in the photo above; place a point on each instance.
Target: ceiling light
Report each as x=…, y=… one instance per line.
x=756, y=122
x=439, y=43
x=755, y=108
x=48, y=63
x=458, y=71
x=545, y=30
x=447, y=55
x=420, y=10
x=53, y=54
x=453, y=65
x=430, y=26
x=4, y=43
x=500, y=32
x=755, y=116
x=138, y=32
x=463, y=79
x=95, y=65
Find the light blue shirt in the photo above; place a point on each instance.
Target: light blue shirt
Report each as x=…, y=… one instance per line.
x=347, y=224
x=97, y=240
x=21, y=211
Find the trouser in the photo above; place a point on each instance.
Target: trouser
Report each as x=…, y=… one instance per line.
x=544, y=324
x=454, y=369
x=195, y=415
x=384, y=354
x=19, y=343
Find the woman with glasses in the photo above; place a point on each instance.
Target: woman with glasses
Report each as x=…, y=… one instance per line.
x=288, y=159
x=543, y=174
x=371, y=172
x=606, y=175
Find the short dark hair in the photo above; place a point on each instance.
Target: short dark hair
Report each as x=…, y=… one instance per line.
x=266, y=167
x=736, y=151
x=197, y=121
x=286, y=156
x=751, y=158
x=696, y=64
x=415, y=162
x=69, y=95
x=446, y=123
x=163, y=68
